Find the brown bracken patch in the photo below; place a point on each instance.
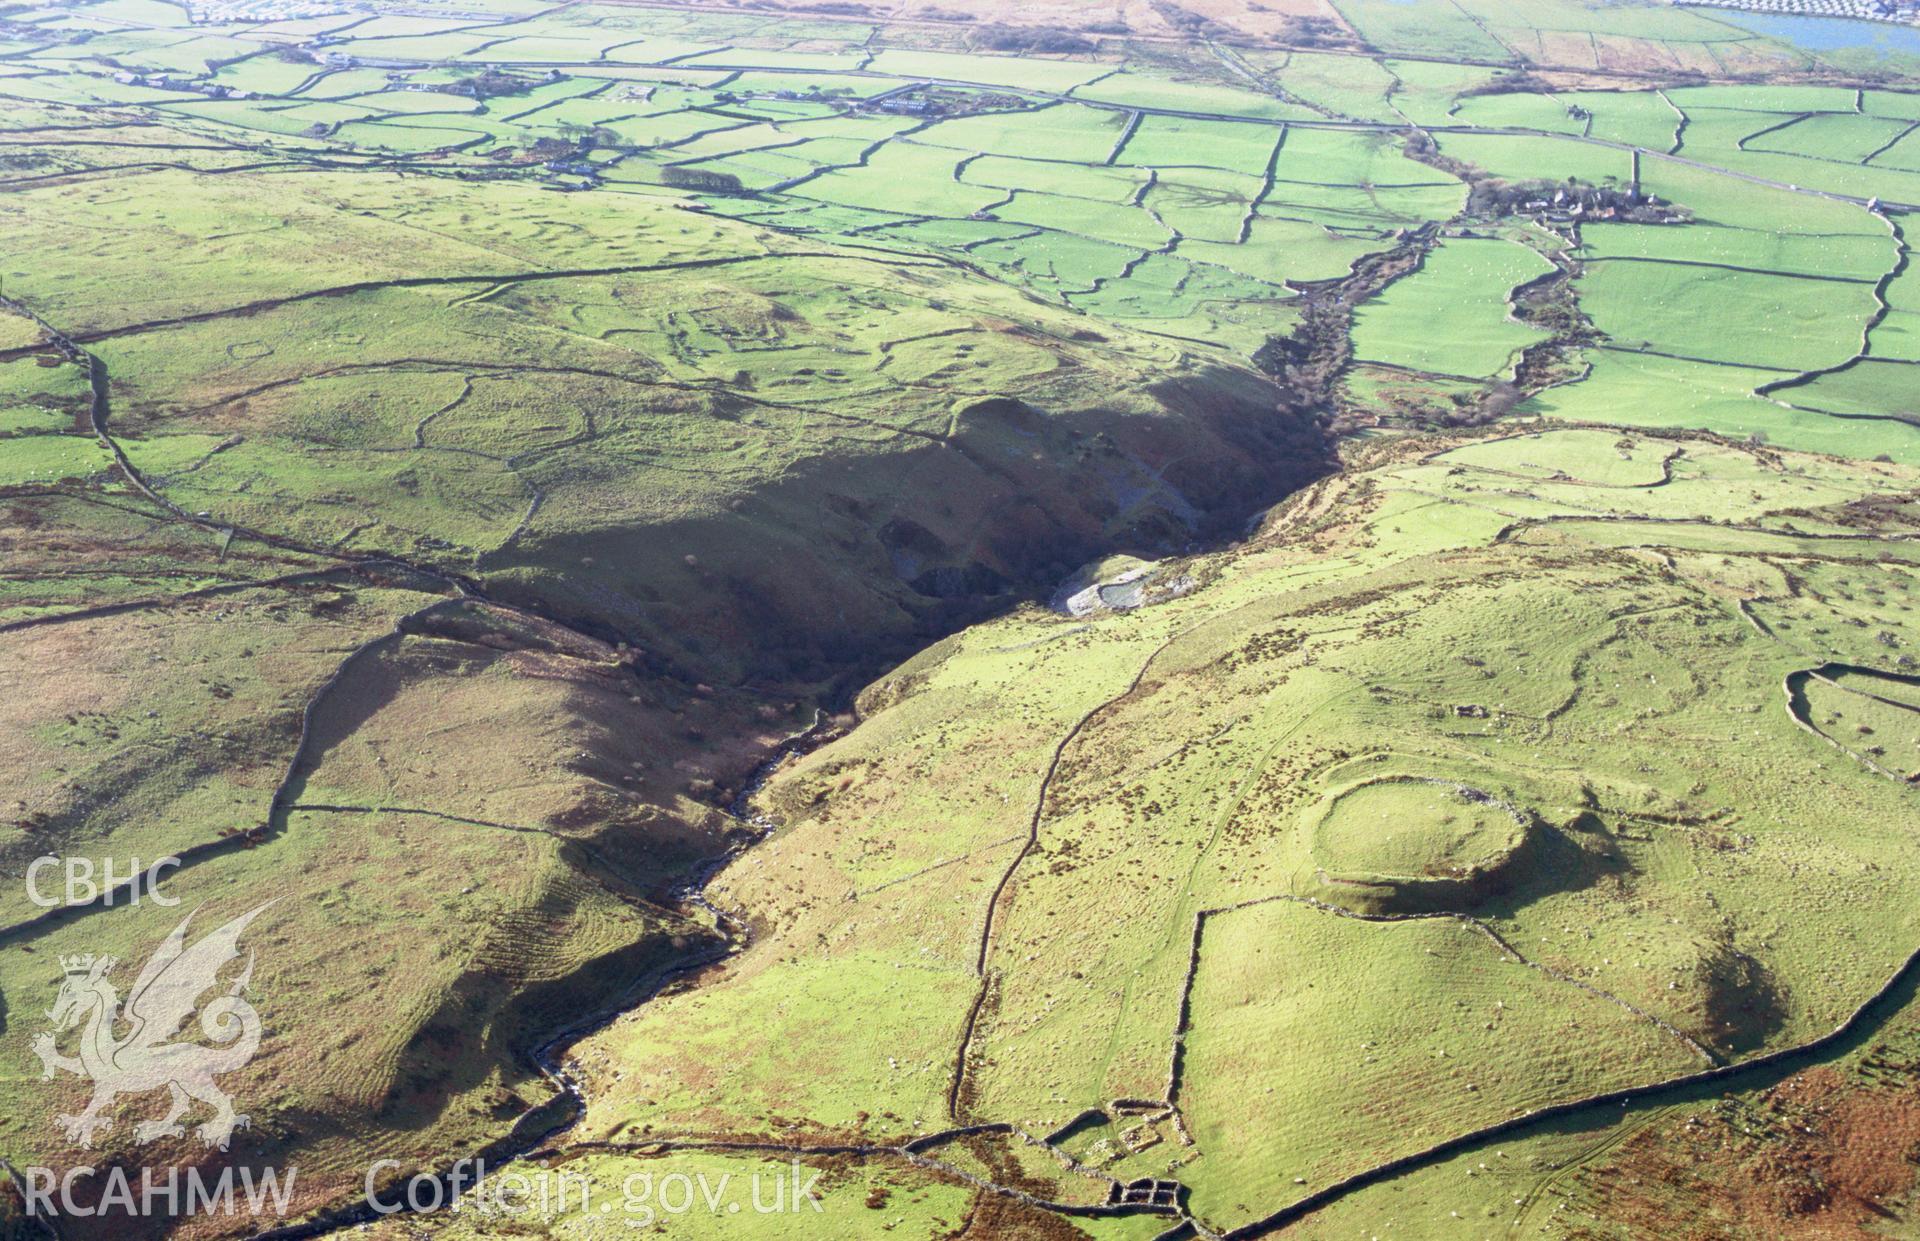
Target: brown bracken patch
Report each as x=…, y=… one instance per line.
x=1821, y=1155
x=1000, y=1218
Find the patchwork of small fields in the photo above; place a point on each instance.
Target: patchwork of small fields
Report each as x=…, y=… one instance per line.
x=1181, y=197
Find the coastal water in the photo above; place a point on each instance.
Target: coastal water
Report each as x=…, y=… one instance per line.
x=1829, y=34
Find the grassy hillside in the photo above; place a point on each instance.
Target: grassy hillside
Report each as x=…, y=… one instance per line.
x=1337, y=575
x=436, y=560
x=1146, y=873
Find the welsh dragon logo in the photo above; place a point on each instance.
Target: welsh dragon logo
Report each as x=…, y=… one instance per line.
x=164, y=996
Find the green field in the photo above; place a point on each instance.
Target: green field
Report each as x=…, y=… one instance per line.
x=1715, y=314
x=1464, y=286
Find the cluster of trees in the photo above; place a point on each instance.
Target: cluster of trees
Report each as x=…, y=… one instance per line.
x=707, y=180
x=1510, y=82
x=1312, y=31
x=586, y=137
x=1474, y=408
x=487, y=84
x=1421, y=146
x=999, y=38
x=551, y=148
x=1491, y=198
x=1188, y=22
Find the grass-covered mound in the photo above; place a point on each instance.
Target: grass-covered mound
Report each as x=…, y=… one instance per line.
x=1403, y=843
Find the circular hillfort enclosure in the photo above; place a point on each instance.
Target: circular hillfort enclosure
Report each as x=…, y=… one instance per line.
x=1411, y=844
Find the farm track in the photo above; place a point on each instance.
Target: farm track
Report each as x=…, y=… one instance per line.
x=989, y=847
x=162, y=602
x=533, y=275
x=1541, y=1188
